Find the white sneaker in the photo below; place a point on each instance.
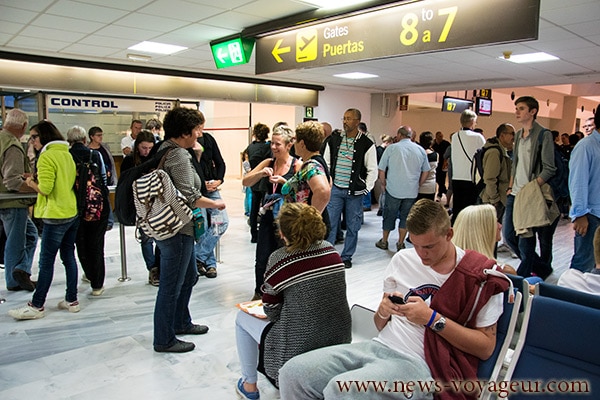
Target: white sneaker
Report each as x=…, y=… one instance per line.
x=27, y=312
x=72, y=307
x=97, y=292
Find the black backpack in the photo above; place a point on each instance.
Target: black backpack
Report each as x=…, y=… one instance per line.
x=90, y=190
x=124, y=205
x=477, y=167
x=560, y=181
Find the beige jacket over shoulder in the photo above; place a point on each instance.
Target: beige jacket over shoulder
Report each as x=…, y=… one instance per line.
x=531, y=208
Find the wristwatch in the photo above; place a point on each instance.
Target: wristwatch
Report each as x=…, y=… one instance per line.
x=439, y=325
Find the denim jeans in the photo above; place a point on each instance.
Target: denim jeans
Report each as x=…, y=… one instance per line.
x=247, y=200
x=340, y=200
x=178, y=275
x=205, y=248
x=317, y=373
x=148, y=249
x=248, y=330
x=21, y=239
x=57, y=238
x=583, y=257
x=396, y=208
x=508, y=227
x=531, y=262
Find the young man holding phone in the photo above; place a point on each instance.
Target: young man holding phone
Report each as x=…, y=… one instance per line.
x=436, y=281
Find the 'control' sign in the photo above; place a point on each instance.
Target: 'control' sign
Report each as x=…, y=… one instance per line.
x=416, y=27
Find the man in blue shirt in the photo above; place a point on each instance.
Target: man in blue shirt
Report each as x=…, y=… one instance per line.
x=584, y=187
x=402, y=169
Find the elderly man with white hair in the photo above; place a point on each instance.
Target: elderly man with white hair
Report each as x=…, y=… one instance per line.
x=20, y=231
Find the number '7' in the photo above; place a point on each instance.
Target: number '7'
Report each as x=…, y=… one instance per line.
x=451, y=12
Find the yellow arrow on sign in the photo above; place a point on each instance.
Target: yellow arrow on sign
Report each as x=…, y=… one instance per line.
x=279, y=50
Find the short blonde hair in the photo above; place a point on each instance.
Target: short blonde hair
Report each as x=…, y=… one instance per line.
x=475, y=229
x=301, y=224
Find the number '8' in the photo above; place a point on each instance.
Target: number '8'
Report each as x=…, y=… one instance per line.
x=409, y=34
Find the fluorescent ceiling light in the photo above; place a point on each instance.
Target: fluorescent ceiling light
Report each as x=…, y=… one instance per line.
x=138, y=57
x=356, y=75
x=158, y=48
x=530, y=58
x=331, y=4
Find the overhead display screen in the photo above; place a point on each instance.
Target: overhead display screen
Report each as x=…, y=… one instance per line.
x=456, y=105
x=406, y=28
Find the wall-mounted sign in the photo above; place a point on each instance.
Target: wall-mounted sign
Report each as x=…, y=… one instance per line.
x=232, y=52
x=406, y=28
x=56, y=103
x=403, y=103
x=485, y=93
x=309, y=112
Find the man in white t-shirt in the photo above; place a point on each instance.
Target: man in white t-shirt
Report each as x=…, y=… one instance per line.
x=399, y=352
x=128, y=141
x=465, y=144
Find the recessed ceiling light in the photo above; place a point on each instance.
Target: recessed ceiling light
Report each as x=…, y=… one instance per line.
x=356, y=75
x=529, y=58
x=158, y=48
x=331, y=4
x=138, y=57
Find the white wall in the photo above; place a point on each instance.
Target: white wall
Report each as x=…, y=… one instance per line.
x=333, y=103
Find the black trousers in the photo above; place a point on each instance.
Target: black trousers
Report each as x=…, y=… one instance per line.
x=90, y=250
x=464, y=195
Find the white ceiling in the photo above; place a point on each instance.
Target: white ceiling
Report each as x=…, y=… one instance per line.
x=102, y=30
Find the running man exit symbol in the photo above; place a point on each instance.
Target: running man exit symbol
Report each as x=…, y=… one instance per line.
x=306, y=45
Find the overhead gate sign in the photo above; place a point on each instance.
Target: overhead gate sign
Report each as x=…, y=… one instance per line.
x=406, y=28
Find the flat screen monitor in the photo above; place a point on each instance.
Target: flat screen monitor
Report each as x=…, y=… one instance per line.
x=456, y=105
x=483, y=106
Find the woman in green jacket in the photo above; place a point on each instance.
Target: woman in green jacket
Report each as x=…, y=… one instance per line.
x=57, y=206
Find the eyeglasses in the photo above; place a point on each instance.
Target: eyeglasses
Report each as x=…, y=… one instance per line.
x=32, y=137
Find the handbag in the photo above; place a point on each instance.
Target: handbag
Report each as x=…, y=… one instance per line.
x=199, y=227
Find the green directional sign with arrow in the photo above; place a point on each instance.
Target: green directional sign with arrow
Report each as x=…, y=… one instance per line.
x=232, y=52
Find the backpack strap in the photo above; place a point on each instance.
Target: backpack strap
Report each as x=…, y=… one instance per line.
x=463, y=147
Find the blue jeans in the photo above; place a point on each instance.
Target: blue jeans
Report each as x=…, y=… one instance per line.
x=396, y=208
x=339, y=200
x=178, y=275
x=583, y=257
x=247, y=200
x=316, y=374
x=55, y=238
x=21, y=239
x=205, y=248
x=147, y=245
x=248, y=330
x=508, y=227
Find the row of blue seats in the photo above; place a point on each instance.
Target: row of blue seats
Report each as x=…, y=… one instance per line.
x=553, y=333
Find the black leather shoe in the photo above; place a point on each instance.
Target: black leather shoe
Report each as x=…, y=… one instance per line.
x=347, y=263
x=14, y=289
x=23, y=279
x=179, y=347
x=193, y=330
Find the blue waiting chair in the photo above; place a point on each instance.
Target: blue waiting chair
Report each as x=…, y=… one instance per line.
x=567, y=294
x=489, y=369
x=557, y=343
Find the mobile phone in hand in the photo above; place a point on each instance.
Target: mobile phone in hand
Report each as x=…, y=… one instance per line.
x=396, y=299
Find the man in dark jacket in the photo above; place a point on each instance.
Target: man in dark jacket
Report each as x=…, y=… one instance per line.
x=352, y=161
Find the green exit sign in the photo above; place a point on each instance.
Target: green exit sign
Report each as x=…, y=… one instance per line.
x=232, y=52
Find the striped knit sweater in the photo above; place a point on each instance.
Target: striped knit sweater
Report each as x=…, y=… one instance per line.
x=305, y=300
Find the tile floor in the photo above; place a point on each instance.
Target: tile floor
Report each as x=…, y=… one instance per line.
x=105, y=351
